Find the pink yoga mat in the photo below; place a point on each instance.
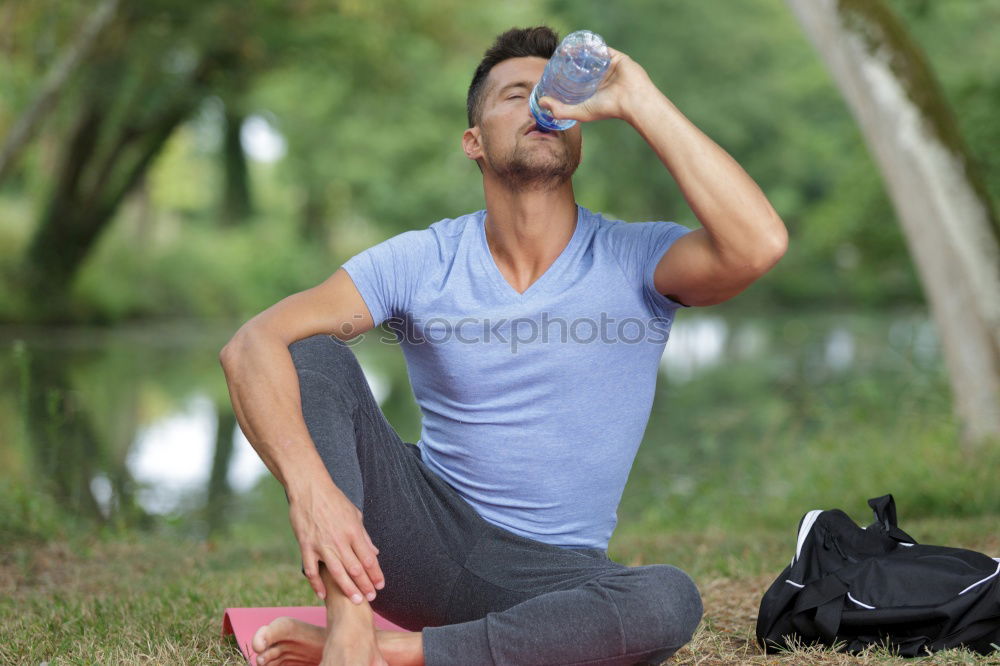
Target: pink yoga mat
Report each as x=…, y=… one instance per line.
x=244, y=623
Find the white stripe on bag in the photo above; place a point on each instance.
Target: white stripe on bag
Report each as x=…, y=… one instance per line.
x=859, y=603
x=807, y=524
x=980, y=582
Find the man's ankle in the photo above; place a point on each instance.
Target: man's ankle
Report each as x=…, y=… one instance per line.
x=339, y=606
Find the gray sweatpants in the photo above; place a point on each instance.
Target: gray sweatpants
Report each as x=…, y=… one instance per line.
x=482, y=595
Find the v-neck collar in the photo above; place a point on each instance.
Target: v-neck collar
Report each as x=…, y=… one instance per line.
x=491, y=266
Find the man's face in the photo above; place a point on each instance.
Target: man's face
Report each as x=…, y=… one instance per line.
x=506, y=139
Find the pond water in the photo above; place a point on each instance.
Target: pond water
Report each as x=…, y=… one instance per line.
x=134, y=425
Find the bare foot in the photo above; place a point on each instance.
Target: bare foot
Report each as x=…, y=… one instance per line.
x=350, y=641
x=288, y=641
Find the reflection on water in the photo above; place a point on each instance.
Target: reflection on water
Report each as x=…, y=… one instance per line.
x=695, y=343
x=839, y=348
x=916, y=336
x=124, y=426
x=171, y=458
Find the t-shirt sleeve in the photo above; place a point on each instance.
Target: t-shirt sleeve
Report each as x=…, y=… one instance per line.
x=639, y=247
x=387, y=274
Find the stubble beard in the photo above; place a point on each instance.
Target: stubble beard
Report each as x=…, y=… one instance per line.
x=535, y=168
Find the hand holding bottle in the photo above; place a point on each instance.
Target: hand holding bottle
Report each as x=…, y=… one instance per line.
x=624, y=85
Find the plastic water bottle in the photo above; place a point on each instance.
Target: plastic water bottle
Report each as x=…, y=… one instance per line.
x=572, y=75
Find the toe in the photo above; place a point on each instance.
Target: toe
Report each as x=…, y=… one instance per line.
x=260, y=639
x=270, y=656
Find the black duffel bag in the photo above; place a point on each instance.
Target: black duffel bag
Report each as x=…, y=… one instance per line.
x=850, y=588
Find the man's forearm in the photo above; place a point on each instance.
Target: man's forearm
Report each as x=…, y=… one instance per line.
x=264, y=388
x=733, y=209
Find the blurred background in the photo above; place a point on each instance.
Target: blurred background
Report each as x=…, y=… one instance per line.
x=169, y=168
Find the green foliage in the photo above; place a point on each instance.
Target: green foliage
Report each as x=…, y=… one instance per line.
x=746, y=75
x=370, y=97
x=29, y=515
x=760, y=441
x=206, y=273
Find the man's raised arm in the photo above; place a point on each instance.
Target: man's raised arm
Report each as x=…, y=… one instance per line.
x=742, y=236
x=264, y=388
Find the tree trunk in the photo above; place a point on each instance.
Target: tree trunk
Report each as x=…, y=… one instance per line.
x=64, y=447
x=313, y=212
x=237, y=205
x=76, y=215
x=54, y=83
x=219, y=492
x=939, y=197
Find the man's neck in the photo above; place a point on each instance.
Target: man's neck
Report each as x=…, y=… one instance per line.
x=526, y=230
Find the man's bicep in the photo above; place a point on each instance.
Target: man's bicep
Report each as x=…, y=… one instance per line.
x=334, y=306
x=691, y=273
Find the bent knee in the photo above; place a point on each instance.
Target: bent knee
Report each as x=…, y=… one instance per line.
x=322, y=353
x=314, y=345
x=669, y=610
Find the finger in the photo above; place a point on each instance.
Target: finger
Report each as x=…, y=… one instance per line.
x=353, y=572
x=370, y=563
x=357, y=570
x=339, y=575
x=371, y=543
x=557, y=108
x=310, y=564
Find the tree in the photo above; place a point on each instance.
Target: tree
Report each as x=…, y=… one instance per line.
x=939, y=197
x=54, y=84
x=149, y=70
x=237, y=203
x=156, y=62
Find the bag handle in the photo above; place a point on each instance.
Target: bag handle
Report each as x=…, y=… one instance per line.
x=818, y=608
x=885, y=518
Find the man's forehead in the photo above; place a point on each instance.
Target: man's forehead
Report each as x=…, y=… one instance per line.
x=515, y=70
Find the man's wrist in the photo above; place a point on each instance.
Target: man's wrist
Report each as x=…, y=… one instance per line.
x=646, y=105
x=304, y=479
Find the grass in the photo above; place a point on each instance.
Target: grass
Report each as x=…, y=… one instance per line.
x=134, y=601
x=157, y=598
x=731, y=460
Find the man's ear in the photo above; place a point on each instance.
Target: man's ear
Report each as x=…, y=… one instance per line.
x=472, y=143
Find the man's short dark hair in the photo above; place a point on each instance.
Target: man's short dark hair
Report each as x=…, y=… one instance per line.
x=540, y=41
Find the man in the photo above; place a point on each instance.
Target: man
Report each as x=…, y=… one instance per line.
x=488, y=538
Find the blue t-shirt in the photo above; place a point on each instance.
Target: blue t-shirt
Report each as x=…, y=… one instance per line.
x=533, y=404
